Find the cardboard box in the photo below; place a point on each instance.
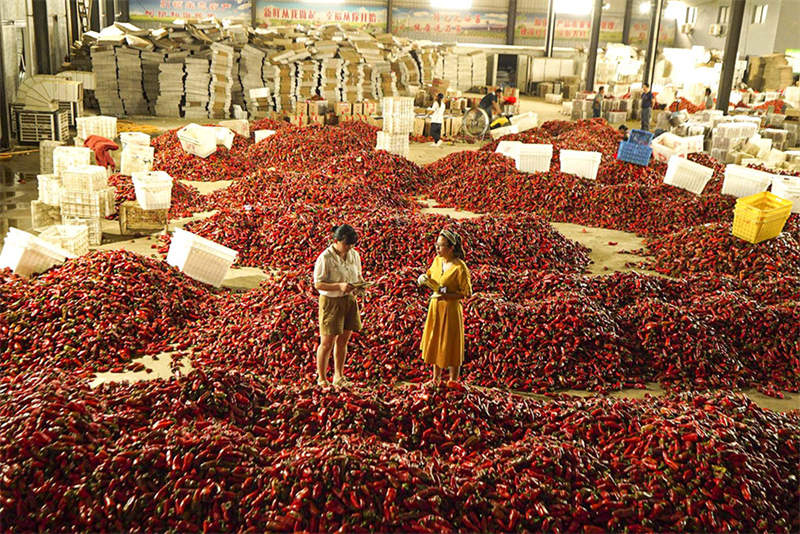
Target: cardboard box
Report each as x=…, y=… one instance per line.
x=370, y=107
x=316, y=119
x=301, y=108
x=419, y=126
x=298, y=119
x=344, y=108
x=358, y=108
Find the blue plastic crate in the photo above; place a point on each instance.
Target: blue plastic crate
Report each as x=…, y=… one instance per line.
x=634, y=153
x=640, y=137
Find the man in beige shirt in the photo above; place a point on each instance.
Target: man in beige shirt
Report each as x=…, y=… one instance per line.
x=335, y=272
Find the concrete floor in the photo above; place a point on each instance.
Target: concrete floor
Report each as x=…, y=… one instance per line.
x=18, y=187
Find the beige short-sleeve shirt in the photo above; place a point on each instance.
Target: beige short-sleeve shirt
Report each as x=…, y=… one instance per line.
x=331, y=268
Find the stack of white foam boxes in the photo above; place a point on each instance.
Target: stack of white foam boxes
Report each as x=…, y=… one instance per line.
x=728, y=137
x=398, y=122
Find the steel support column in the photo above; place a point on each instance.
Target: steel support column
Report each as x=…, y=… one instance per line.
x=731, y=50
x=511, y=21
x=594, y=44
x=626, y=22
x=550, y=32
x=41, y=37
x=389, y=8
x=125, y=11
x=656, y=10
x=5, y=118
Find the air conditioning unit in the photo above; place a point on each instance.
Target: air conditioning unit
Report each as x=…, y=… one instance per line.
x=687, y=28
x=717, y=30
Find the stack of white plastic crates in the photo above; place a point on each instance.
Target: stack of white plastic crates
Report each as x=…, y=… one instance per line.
x=72, y=238
x=86, y=199
x=46, y=211
x=398, y=122
x=728, y=137
x=99, y=125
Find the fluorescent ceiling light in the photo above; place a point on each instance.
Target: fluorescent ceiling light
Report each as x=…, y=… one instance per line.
x=644, y=7
x=675, y=10
x=452, y=5
x=573, y=7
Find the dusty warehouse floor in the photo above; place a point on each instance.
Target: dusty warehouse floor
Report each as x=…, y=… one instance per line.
x=18, y=187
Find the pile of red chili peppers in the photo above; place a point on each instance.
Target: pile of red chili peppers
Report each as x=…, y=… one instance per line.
x=246, y=443
x=231, y=451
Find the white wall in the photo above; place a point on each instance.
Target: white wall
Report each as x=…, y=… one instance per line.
x=780, y=31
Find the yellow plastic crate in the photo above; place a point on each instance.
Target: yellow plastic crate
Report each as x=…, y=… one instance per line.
x=760, y=217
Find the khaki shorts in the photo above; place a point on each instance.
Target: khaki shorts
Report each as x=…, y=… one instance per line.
x=337, y=314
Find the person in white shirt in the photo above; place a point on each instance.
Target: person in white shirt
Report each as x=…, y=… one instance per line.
x=437, y=118
x=335, y=272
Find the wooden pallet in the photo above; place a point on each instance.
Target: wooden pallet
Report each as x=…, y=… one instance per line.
x=35, y=126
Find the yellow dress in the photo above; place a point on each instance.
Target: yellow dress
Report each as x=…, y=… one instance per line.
x=443, y=336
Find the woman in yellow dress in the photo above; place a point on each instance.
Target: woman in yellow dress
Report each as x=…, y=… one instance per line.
x=443, y=337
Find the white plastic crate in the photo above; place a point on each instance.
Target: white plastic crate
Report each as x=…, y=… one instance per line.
x=153, y=189
x=241, y=127
x=508, y=148
x=134, y=138
x=94, y=227
x=49, y=189
x=224, y=136
x=65, y=157
x=72, y=238
x=668, y=145
x=46, y=155
x=617, y=117
x=394, y=143
x=88, y=204
x=26, y=254
x=525, y=121
x=742, y=182
x=694, y=143
x=687, y=175
x=580, y=163
x=99, y=125
x=198, y=140
x=85, y=178
x=497, y=133
x=566, y=108
x=535, y=157
x=260, y=135
x=200, y=258
x=137, y=158
x=44, y=215
x=787, y=187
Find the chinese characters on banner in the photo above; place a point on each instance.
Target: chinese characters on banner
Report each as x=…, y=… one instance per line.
x=287, y=13
x=448, y=26
x=169, y=10
x=531, y=28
